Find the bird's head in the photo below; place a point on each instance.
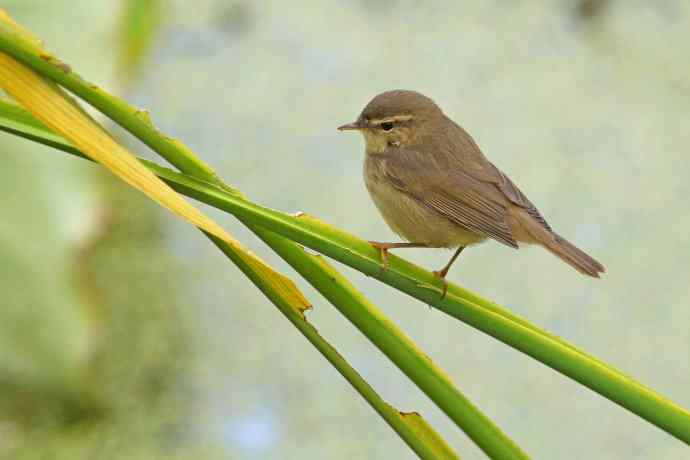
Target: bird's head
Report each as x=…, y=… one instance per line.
x=394, y=119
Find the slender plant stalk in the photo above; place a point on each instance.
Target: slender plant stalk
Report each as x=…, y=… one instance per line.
x=140, y=24
x=381, y=331
x=476, y=312
x=419, y=283
x=138, y=121
x=411, y=427
x=57, y=110
x=408, y=278
x=397, y=346
x=480, y=429
x=470, y=419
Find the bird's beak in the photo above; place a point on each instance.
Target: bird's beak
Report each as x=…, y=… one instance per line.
x=351, y=126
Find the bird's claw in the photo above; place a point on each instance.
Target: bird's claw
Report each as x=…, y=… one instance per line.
x=383, y=248
x=440, y=274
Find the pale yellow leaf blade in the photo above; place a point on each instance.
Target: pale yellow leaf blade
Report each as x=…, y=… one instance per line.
x=47, y=102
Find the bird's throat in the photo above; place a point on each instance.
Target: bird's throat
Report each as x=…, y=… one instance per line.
x=374, y=144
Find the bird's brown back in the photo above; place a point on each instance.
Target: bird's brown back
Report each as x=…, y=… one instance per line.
x=445, y=169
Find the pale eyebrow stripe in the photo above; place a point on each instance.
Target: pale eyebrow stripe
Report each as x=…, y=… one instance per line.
x=378, y=121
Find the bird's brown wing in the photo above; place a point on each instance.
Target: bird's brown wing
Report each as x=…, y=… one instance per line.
x=474, y=204
x=463, y=153
x=515, y=195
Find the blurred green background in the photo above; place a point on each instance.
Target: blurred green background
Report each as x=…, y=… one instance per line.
x=125, y=334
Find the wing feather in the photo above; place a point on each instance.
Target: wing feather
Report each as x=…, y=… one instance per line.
x=515, y=195
x=472, y=204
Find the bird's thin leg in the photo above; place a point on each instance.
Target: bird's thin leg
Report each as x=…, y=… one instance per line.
x=384, y=247
x=444, y=271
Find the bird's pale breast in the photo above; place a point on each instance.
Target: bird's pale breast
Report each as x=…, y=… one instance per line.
x=408, y=217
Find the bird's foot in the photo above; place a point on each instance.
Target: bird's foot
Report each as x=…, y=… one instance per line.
x=383, y=248
x=444, y=271
x=441, y=274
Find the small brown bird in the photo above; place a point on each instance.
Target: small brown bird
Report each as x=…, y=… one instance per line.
x=436, y=189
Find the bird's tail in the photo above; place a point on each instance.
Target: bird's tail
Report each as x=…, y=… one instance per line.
x=527, y=229
x=573, y=256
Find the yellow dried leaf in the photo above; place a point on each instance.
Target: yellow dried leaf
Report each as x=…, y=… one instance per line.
x=50, y=104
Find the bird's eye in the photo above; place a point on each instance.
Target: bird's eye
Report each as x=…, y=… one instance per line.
x=387, y=125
